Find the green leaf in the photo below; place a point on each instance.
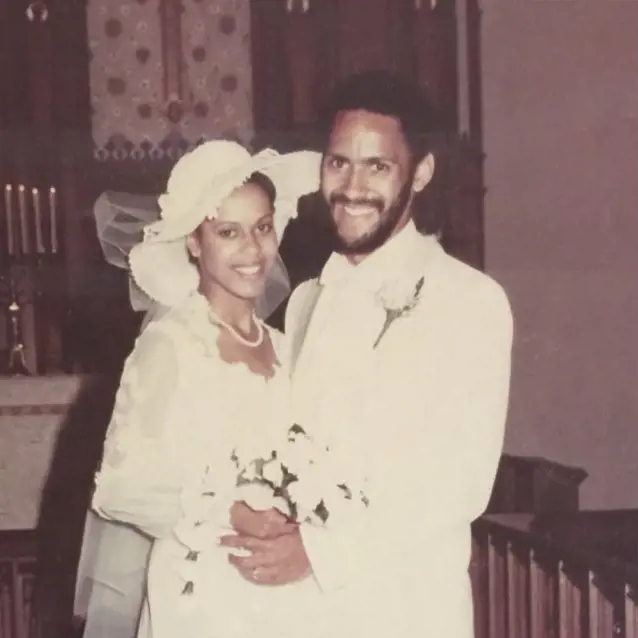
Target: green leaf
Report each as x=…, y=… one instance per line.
x=296, y=429
x=288, y=477
x=322, y=511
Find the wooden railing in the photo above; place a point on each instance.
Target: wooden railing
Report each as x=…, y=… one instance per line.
x=534, y=576
x=17, y=585
x=556, y=575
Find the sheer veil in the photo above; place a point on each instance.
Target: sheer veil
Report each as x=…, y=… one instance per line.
x=120, y=219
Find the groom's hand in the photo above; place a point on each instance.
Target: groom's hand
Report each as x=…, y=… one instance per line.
x=259, y=524
x=274, y=561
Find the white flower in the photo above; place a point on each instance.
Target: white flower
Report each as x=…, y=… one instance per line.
x=257, y=496
x=273, y=472
x=396, y=304
x=309, y=489
x=396, y=295
x=298, y=452
x=248, y=473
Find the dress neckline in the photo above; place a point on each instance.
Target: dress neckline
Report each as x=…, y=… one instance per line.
x=194, y=314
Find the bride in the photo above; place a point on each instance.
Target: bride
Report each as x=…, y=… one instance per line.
x=203, y=394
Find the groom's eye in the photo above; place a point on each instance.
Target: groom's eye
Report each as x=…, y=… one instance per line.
x=380, y=167
x=336, y=162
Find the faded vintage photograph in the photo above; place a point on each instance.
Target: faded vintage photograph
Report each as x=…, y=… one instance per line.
x=318, y=319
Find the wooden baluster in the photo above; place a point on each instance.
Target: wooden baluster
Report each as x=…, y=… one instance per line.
x=601, y=608
x=569, y=605
x=517, y=599
x=631, y=617
x=6, y=584
x=497, y=590
x=564, y=603
x=609, y=627
x=536, y=593
x=480, y=593
x=594, y=607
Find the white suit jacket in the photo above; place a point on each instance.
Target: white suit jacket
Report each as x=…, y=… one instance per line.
x=422, y=415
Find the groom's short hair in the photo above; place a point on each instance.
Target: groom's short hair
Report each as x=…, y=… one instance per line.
x=385, y=93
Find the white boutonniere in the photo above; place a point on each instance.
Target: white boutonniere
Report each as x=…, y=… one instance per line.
x=397, y=305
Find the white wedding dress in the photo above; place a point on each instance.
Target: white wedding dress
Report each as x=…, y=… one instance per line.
x=180, y=414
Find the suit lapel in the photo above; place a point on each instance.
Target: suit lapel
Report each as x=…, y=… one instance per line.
x=302, y=327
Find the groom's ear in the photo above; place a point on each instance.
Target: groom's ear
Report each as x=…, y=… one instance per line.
x=423, y=173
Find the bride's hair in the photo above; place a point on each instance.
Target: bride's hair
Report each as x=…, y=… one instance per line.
x=265, y=183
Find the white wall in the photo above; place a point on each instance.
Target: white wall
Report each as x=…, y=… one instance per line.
x=560, y=83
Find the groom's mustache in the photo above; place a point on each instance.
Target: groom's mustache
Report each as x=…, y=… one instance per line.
x=338, y=198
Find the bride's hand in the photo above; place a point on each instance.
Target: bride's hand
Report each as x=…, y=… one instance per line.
x=264, y=524
x=276, y=561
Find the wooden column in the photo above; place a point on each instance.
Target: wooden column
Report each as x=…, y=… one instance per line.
x=362, y=35
x=272, y=90
x=302, y=59
x=434, y=40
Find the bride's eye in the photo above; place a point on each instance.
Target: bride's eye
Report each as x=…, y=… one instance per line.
x=265, y=227
x=227, y=233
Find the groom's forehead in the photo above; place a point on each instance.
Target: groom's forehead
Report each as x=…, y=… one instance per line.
x=367, y=135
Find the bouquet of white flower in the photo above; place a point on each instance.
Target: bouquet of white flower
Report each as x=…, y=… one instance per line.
x=301, y=478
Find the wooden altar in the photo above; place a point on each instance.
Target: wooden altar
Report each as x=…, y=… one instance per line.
x=32, y=413
x=51, y=433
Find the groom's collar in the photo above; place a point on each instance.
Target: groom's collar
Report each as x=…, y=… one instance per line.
x=389, y=262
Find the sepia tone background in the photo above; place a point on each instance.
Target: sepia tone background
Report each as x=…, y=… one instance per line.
x=535, y=185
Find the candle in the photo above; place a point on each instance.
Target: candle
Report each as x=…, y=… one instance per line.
x=24, y=227
x=38, y=220
x=54, y=223
x=8, y=211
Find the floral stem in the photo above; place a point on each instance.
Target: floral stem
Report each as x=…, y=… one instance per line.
x=386, y=324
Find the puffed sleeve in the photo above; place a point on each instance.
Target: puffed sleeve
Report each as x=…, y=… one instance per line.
x=139, y=480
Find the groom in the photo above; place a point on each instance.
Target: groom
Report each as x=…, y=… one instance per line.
x=401, y=356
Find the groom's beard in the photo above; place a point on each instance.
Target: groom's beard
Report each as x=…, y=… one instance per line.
x=381, y=233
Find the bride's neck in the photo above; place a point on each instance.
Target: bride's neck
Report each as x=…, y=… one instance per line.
x=233, y=310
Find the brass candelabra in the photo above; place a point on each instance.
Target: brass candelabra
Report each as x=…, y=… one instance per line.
x=30, y=248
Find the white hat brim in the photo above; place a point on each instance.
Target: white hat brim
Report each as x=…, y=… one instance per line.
x=164, y=271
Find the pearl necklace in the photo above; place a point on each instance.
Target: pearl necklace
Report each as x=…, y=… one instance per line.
x=216, y=319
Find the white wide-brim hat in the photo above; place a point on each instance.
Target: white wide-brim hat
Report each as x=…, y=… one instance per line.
x=198, y=185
